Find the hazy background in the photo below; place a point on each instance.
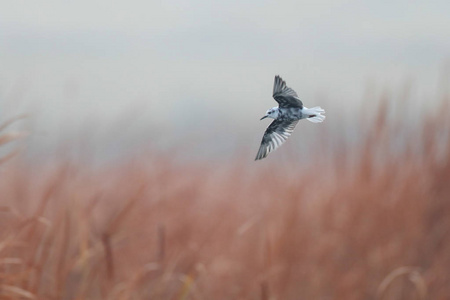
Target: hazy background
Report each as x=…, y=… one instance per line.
x=126, y=76
x=117, y=94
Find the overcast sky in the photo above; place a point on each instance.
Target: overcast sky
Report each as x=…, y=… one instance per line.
x=166, y=70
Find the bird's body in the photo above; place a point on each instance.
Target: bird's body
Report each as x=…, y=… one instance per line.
x=286, y=116
x=290, y=114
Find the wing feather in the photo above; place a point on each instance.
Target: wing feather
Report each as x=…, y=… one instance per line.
x=285, y=96
x=274, y=136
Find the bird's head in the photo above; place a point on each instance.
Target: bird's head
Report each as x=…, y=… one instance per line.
x=271, y=113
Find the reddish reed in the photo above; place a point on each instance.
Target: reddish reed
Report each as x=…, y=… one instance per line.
x=376, y=227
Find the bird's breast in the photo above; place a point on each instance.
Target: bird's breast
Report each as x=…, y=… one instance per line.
x=290, y=113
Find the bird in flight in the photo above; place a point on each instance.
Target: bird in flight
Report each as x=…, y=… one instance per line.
x=290, y=110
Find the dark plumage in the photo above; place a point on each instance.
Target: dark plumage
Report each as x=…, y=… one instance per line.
x=289, y=111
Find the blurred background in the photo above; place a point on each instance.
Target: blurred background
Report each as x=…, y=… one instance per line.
x=157, y=74
x=128, y=132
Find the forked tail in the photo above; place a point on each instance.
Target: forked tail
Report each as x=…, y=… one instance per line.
x=314, y=114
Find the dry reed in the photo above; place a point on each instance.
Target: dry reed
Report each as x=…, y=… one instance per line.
x=151, y=229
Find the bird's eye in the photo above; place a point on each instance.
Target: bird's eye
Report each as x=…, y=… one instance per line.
x=270, y=112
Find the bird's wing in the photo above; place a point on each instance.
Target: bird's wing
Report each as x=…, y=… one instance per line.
x=276, y=134
x=285, y=96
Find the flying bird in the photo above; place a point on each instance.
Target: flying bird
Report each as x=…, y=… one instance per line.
x=290, y=110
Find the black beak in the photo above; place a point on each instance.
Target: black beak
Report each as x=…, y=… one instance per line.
x=263, y=118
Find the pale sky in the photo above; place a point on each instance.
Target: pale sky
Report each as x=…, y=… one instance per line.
x=163, y=71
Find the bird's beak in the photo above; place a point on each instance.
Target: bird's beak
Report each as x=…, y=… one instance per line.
x=263, y=118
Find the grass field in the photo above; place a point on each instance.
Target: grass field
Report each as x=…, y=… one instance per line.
x=372, y=221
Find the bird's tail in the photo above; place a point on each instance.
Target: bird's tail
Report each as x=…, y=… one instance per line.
x=314, y=114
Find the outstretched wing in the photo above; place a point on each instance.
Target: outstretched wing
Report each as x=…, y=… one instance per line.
x=285, y=96
x=276, y=134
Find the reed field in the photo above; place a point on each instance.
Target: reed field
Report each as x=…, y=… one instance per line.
x=363, y=220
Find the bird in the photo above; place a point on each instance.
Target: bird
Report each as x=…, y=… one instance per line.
x=290, y=110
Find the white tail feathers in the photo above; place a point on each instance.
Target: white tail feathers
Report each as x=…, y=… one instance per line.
x=314, y=114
